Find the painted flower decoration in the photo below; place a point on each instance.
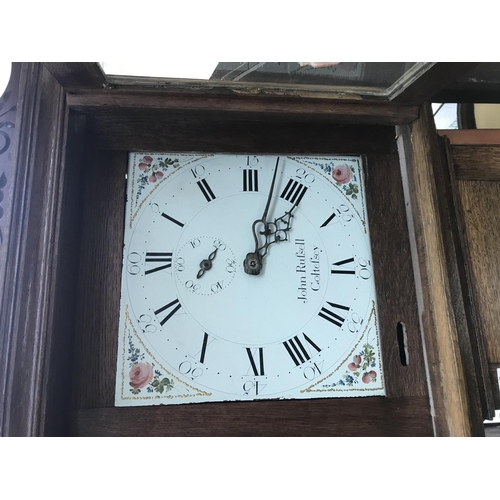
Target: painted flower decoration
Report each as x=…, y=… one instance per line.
x=359, y=368
x=141, y=374
x=342, y=173
x=355, y=364
x=145, y=163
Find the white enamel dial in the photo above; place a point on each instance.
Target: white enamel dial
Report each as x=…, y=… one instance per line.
x=196, y=327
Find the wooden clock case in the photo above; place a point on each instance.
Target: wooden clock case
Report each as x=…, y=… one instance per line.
x=62, y=254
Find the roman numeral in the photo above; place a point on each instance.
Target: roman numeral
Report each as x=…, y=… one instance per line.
x=174, y=304
x=171, y=219
x=327, y=221
x=298, y=351
x=293, y=192
x=158, y=257
x=250, y=180
x=331, y=316
x=342, y=263
x=258, y=368
x=205, y=189
x=204, y=348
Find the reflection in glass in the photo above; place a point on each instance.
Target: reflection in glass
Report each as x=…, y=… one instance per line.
x=377, y=75
x=312, y=73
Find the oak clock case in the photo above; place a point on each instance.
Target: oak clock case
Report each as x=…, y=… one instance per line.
x=246, y=277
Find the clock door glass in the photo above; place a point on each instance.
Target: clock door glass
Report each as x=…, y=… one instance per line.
x=246, y=277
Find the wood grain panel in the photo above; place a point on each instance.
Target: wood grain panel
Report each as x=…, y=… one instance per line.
x=98, y=309
x=374, y=112
x=393, y=271
x=469, y=332
x=485, y=137
x=339, y=417
x=77, y=74
x=492, y=368
x=35, y=314
x=192, y=131
x=441, y=338
x=477, y=163
x=481, y=206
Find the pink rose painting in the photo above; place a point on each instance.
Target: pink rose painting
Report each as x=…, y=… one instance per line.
x=141, y=374
x=342, y=173
x=145, y=163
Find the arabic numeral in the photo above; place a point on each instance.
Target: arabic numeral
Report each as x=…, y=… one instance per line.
x=179, y=264
x=345, y=213
x=364, y=272
x=195, y=242
x=220, y=245
x=252, y=161
x=217, y=287
x=231, y=265
x=305, y=176
x=133, y=258
x=148, y=327
x=191, y=286
x=198, y=171
x=253, y=387
x=355, y=324
x=190, y=369
x=313, y=370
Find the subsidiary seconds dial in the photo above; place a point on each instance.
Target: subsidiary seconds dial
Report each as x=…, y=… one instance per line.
x=204, y=265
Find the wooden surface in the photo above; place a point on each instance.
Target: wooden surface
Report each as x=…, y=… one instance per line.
x=407, y=404
x=30, y=323
x=9, y=132
x=481, y=203
x=175, y=132
x=77, y=74
x=395, y=285
x=356, y=417
x=373, y=112
x=471, y=341
x=445, y=369
x=477, y=163
x=481, y=207
x=495, y=384
x=485, y=137
x=98, y=305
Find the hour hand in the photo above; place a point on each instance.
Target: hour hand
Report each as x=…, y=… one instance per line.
x=273, y=232
x=206, y=264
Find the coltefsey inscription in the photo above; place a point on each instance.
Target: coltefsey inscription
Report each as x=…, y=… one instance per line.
x=308, y=269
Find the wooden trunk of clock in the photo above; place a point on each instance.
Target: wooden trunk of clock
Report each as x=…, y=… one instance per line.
x=82, y=158
x=99, y=298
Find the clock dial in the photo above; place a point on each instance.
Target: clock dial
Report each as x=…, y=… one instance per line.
x=197, y=324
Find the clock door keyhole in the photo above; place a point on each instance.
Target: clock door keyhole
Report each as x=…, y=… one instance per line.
x=403, y=350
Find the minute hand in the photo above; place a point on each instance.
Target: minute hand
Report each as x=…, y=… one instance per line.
x=273, y=231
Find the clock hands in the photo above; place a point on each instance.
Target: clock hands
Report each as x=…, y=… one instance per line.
x=206, y=264
x=273, y=231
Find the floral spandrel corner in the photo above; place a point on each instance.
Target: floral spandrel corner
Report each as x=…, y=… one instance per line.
x=143, y=374
x=345, y=177
x=152, y=170
x=359, y=368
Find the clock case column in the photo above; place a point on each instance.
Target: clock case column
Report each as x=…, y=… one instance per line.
x=63, y=277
